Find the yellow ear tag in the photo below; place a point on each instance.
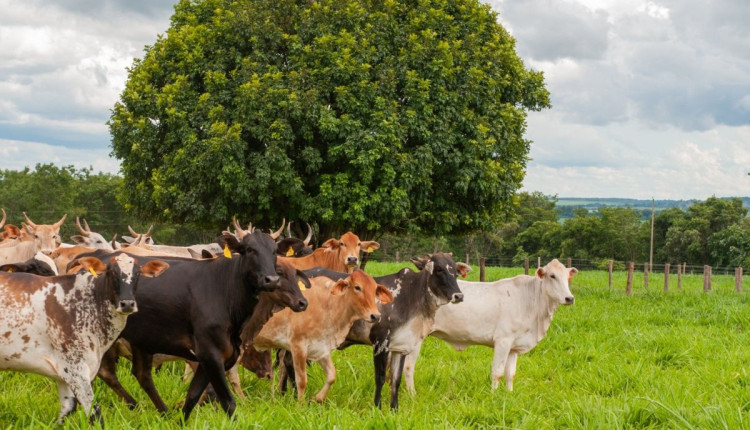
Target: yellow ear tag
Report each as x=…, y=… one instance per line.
x=369, y=249
x=93, y=272
x=10, y=270
x=227, y=252
x=290, y=252
x=301, y=285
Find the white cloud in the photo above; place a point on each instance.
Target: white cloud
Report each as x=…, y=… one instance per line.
x=17, y=155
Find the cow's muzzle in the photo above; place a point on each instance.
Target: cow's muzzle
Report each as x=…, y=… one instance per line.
x=457, y=298
x=270, y=282
x=570, y=300
x=301, y=305
x=127, y=307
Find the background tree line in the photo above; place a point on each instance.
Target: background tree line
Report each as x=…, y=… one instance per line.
x=715, y=231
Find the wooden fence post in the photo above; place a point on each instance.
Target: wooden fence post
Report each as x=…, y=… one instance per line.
x=629, y=286
x=609, y=267
x=467, y=258
x=679, y=277
x=525, y=266
x=538, y=262
x=645, y=275
x=666, y=277
x=706, y=278
x=738, y=279
x=398, y=259
x=481, y=269
x=570, y=263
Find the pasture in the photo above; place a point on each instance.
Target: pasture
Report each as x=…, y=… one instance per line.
x=651, y=360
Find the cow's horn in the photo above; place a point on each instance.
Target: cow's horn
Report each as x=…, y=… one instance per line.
x=148, y=233
x=288, y=229
x=132, y=231
x=309, y=234
x=2, y=223
x=83, y=231
x=240, y=232
x=276, y=235
x=59, y=223
x=28, y=221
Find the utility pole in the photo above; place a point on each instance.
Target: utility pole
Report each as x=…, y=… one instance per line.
x=651, y=252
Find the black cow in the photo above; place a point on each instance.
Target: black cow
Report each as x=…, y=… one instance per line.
x=405, y=321
x=293, y=247
x=197, y=313
x=40, y=265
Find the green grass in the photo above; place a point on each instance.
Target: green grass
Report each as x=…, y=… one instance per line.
x=679, y=359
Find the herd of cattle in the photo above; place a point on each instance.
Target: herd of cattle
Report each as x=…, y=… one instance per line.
x=70, y=312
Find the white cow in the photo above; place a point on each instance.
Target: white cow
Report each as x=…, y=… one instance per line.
x=90, y=238
x=42, y=237
x=510, y=315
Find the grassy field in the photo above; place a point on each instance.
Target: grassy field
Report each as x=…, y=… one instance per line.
x=650, y=360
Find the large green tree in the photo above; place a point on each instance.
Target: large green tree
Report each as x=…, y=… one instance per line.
x=376, y=116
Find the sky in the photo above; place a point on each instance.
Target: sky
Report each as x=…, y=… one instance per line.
x=650, y=99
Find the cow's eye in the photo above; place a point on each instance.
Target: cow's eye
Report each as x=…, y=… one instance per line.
x=553, y=276
x=359, y=244
x=341, y=244
x=357, y=288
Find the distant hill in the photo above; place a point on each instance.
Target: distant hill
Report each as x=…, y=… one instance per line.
x=567, y=205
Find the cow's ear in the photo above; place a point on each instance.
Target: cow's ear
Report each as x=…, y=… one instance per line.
x=27, y=227
x=572, y=272
x=540, y=273
x=92, y=264
x=10, y=268
x=339, y=287
x=79, y=239
x=230, y=241
x=463, y=269
x=419, y=263
x=12, y=231
x=154, y=268
x=331, y=243
x=369, y=245
x=303, y=282
x=206, y=254
x=383, y=294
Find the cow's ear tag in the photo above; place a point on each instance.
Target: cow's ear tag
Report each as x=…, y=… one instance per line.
x=10, y=270
x=301, y=285
x=93, y=272
x=369, y=249
x=290, y=252
x=464, y=275
x=227, y=252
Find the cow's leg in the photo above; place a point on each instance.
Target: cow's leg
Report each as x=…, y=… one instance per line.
x=68, y=400
x=299, y=358
x=502, y=349
x=510, y=370
x=410, y=363
x=381, y=363
x=108, y=374
x=327, y=364
x=286, y=370
x=397, y=368
x=233, y=376
x=77, y=380
x=142, y=365
x=197, y=385
x=214, y=365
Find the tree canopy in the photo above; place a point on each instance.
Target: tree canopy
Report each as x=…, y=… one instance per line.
x=373, y=116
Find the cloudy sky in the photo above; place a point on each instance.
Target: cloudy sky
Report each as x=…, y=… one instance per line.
x=650, y=98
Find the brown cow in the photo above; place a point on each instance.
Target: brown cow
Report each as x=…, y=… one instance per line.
x=312, y=335
x=341, y=254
